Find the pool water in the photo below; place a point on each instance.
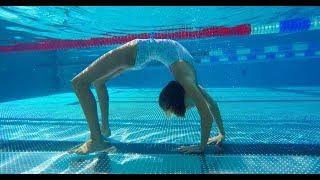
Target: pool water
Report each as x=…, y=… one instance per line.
x=261, y=65
x=267, y=131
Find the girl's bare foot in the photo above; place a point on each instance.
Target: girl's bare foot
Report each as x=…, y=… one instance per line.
x=91, y=146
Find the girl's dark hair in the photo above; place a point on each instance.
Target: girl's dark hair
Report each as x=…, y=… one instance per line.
x=172, y=97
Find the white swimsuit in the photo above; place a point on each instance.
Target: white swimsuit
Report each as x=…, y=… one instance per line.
x=166, y=51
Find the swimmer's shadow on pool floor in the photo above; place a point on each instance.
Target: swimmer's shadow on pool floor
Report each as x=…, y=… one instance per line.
x=164, y=148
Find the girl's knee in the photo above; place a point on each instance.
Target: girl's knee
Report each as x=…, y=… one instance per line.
x=98, y=84
x=78, y=82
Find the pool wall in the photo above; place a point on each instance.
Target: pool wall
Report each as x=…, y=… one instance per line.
x=27, y=74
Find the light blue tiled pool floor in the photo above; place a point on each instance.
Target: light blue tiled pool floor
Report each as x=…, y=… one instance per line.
x=269, y=130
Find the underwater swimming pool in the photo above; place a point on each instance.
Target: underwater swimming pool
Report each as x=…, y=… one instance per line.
x=261, y=68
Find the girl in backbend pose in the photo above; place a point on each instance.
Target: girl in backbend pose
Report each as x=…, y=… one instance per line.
x=175, y=98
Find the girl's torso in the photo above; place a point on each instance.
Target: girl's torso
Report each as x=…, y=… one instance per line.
x=165, y=51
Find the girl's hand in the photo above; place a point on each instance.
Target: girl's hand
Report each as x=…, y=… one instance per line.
x=191, y=149
x=216, y=140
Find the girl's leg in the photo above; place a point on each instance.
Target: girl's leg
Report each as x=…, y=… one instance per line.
x=103, y=97
x=106, y=65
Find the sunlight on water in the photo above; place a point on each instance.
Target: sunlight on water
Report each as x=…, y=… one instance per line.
x=260, y=65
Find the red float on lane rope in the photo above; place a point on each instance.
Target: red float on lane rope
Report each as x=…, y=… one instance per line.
x=244, y=29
